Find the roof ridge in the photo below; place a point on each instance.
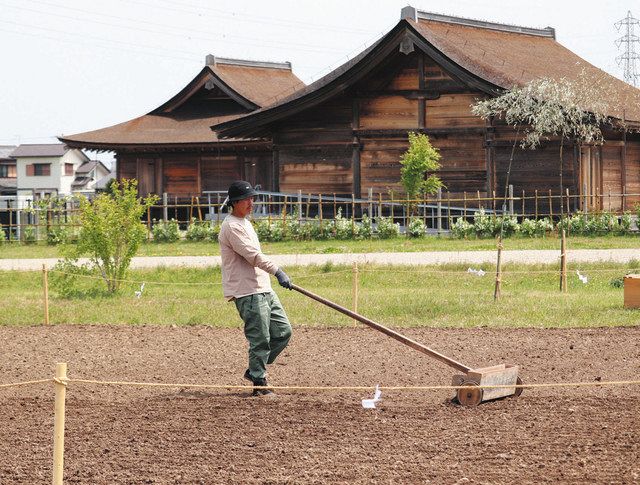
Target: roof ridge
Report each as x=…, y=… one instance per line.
x=212, y=60
x=437, y=17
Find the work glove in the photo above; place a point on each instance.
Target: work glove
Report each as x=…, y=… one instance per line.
x=283, y=279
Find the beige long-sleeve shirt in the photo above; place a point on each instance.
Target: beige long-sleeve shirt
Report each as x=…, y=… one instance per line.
x=245, y=270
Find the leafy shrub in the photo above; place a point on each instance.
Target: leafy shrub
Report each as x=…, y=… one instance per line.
x=366, y=228
x=484, y=224
x=343, y=229
x=68, y=278
x=416, y=227
x=535, y=228
x=29, y=234
x=165, y=232
x=200, y=231
x=387, y=229
x=57, y=234
x=462, y=228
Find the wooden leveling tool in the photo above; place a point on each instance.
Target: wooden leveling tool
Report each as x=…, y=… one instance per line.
x=482, y=384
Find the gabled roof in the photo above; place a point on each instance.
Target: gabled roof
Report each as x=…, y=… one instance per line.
x=40, y=150
x=5, y=151
x=87, y=166
x=185, y=118
x=486, y=56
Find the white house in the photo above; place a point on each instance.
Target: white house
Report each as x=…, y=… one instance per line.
x=90, y=176
x=46, y=169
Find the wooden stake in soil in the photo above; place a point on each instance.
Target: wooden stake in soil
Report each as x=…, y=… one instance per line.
x=45, y=285
x=496, y=293
x=355, y=290
x=58, y=424
x=563, y=263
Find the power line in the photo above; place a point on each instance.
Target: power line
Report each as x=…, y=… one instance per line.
x=630, y=56
x=187, y=33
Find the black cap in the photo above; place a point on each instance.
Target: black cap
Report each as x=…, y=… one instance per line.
x=239, y=190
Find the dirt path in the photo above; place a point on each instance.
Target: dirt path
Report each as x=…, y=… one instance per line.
x=169, y=435
x=532, y=256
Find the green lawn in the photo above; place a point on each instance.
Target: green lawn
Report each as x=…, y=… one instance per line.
x=443, y=296
x=432, y=243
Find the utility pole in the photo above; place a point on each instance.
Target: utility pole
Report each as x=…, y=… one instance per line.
x=630, y=56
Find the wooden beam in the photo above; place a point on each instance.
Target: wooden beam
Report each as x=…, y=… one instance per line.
x=402, y=132
x=355, y=160
x=422, y=103
x=489, y=156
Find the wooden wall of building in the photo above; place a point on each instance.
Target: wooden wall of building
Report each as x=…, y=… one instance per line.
x=191, y=173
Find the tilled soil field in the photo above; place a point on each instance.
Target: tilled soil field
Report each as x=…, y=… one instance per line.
x=170, y=435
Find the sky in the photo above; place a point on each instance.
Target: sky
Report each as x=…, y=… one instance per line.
x=69, y=66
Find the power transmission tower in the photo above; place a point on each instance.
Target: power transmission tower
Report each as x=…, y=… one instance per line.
x=630, y=56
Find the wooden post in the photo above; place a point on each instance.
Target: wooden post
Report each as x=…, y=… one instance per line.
x=199, y=209
x=523, y=205
x=299, y=206
x=496, y=292
x=479, y=204
x=320, y=210
x=568, y=202
x=448, y=210
x=269, y=212
x=370, y=198
x=58, y=423
x=353, y=215
x=45, y=285
x=392, y=215
x=379, y=204
x=335, y=208
x=464, y=201
x=439, y=202
x=165, y=210
x=355, y=289
x=284, y=218
x=511, y=211
x=536, y=204
x=550, y=205
x=493, y=201
x=563, y=263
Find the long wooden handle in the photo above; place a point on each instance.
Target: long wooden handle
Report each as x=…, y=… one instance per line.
x=381, y=328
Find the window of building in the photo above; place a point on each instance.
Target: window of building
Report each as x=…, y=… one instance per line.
x=68, y=168
x=8, y=171
x=39, y=169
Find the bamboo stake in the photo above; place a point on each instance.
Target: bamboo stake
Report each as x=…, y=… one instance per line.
x=568, y=204
x=355, y=289
x=45, y=285
x=58, y=424
x=550, y=205
x=536, y=204
x=320, y=210
x=563, y=263
x=464, y=199
x=379, y=204
x=269, y=212
x=199, y=209
x=148, y=223
x=353, y=215
x=523, y=205
x=496, y=293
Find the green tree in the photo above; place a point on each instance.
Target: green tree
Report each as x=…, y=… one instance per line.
x=420, y=159
x=111, y=230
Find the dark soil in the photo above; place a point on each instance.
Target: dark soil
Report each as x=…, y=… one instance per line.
x=174, y=435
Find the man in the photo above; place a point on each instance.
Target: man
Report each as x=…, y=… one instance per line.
x=245, y=280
